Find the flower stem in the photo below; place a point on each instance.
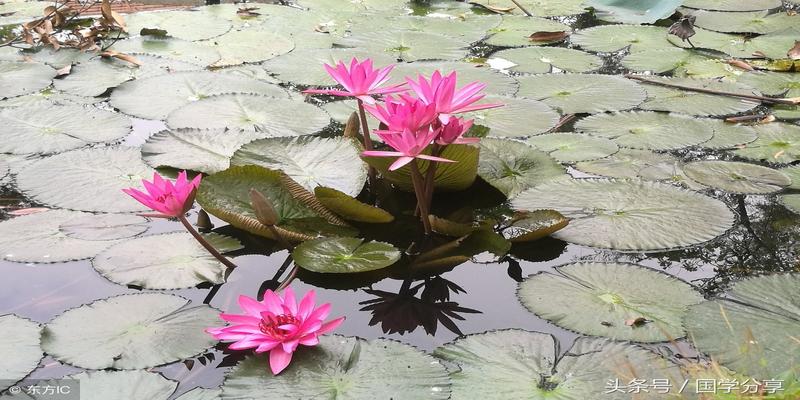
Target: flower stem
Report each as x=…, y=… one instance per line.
x=203, y=242
x=419, y=190
x=286, y=282
x=774, y=100
x=367, y=139
x=516, y=3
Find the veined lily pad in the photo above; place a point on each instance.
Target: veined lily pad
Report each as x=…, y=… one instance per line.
x=627, y=163
x=582, y=93
x=130, y=332
x=178, y=89
x=48, y=97
x=350, y=208
x=737, y=177
x=540, y=60
x=408, y=46
x=793, y=172
x=355, y=6
x=310, y=161
x=18, y=78
x=87, y=180
x=601, y=299
x=660, y=60
x=167, y=261
x=516, y=118
x=176, y=49
x=512, y=166
x=695, y=103
x=496, y=83
x=786, y=112
x=728, y=135
x=772, y=45
x=539, y=8
x=530, y=226
x=573, y=147
x=611, y=38
x=517, y=364
x=58, y=128
x=21, y=346
x=353, y=368
x=785, y=84
x=186, y=25
x=633, y=11
x=647, y=130
x=200, y=393
x=777, y=143
x=304, y=67
x=268, y=115
x=516, y=31
x=733, y=5
x=61, y=235
x=714, y=68
x=455, y=176
x=99, y=385
x=207, y=151
x=754, y=330
x=791, y=202
x=468, y=28
x=344, y=255
x=743, y=22
x=629, y=215
x=249, y=46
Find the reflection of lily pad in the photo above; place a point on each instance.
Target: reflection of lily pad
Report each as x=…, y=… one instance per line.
x=168, y=261
x=344, y=255
x=207, y=151
x=695, y=103
x=352, y=368
x=512, y=166
x=573, y=147
x=737, y=177
x=601, y=299
x=18, y=78
x=777, y=143
x=516, y=118
x=20, y=348
x=540, y=60
x=517, y=364
x=629, y=215
x=611, y=38
x=647, y=130
x=582, y=93
x=130, y=332
x=754, y=330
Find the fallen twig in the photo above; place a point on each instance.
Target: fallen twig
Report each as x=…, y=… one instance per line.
x=793, y=101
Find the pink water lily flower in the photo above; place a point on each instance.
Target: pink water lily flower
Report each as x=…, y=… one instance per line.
x=453, y=132
x=441, y=91
x=168, y=198
x=277, y=325
x=361, y=80
x=404, y=113
x=408, y=146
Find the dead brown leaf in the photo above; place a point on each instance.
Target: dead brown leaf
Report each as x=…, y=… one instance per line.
x=636, y=322
x=794, y=52
x=28, y=211
x=548, y=36
x=121, y=56
x=248, y=12
x=740, y=64
x=498, y=9
x=63, y=71
x=767, y=119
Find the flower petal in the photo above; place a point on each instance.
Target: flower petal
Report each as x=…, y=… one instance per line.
x=279, y=360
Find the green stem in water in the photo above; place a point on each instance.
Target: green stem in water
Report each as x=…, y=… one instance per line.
x=286, y=282
x=203, y=242
x=419, y=190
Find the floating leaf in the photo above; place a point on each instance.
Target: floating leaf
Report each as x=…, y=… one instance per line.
x=130, y=332
x=249, y=46
x=304, y=67
x=626, y=213
x=628, y=163
x=455, y=176
x=793, y=172
x=754, y=329
x=695, y=103
x=772, y=45
x=176, y=49
x=167, y=261
x=408, y=46
x=782, y=84
x=310, y=161
x=733, y=5
x=539, y=8
x=18, y=78
x=186, y=25
x=516, y=30
x=468, y=28
x=538, y=60
x=512, y=166
x=600, y=298
x=612, y=38
x=99, y=385
x=573, y=147
x=349, y=208
x=86, y=180
x=633, y=11
x=496, y=83
x=20, y=345
x=534, y=225
x=352, y=368
x=647, y=130
x=737, y=177
x=660, y=60
x=582, y=93
x=517, y=364
x=344, y=255
x=516, y=118
x=200, y=393
x=728, y=135
x=777, y=143
x=743, y=22
x=207, y=151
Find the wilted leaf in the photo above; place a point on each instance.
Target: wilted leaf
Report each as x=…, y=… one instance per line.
x=794, y=52
x=28, y=211
x=636, y=322
x=740, y=64
x=63, y=71
x=548, y=36
x=248, y=12
x=121, y=56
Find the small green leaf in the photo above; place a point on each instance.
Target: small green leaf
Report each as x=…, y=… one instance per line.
x=344, y=255
x=350, y=208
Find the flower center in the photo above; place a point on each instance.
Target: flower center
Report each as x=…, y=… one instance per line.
x=272, y=326
x=163, y=198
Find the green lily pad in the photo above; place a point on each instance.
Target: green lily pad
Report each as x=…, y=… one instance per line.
x=352, y=368
x=612, y=38
x=786, y=112
x=627, y=163
x=534, y=225
x=207, y=151
x=178, y=89
x=512, y=166
x=18, y=78
x=515, y=31
x=249, y=46
x=517, y=364
x=310, y=161
x=344, y=255
x=753, y=330
x=632, y=215
x=728, y=135
x=733, y=5
x=200, y=393
x=355, y=6
x=793, y=172
x=737, y=177
x=695, y=103
x=268, y=115
x=647, y=130
x=540, y=60
x=777, y=143
x=185, y=25
x=633, y=11
x=743, y=22
x=791, y=202
x=350, y=208
x=719, y=69
x=572, y=147
x=582, y=93
x=772, y=45
x=130, y=332
x=784, y=84
x=516, y=118
x=448, y=177
x=660, y=60
x=539, y=8
x=61, y=235
x=408, y=46
x=468, y=28
x=166, y=261
x=304, y=67
x=87, y=180
x=176, y=49
x=98, y=385
x=601, y=299
x=496, y=82
x=21, y=347
x=48, y=97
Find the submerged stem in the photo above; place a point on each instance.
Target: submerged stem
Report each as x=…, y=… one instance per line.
x=203, y=242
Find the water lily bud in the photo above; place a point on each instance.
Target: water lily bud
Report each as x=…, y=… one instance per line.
x=265, y=213
x=352, y=126
x=204, y=221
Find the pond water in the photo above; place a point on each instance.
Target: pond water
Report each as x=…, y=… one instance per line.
x=479, y=295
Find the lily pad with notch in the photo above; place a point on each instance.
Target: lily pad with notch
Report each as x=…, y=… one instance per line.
x=737, y=177
x=19, y=78
x=540, y=60
x=21, y=347
x=516, y=118
x=647, y=130
x=207, y=151
x=612, y=38
x=573, y=147
x=777, y=143
x=582, y=93
x=512, y=166
x=344, y=255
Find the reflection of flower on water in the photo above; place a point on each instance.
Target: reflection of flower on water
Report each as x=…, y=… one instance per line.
x=404, y=312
